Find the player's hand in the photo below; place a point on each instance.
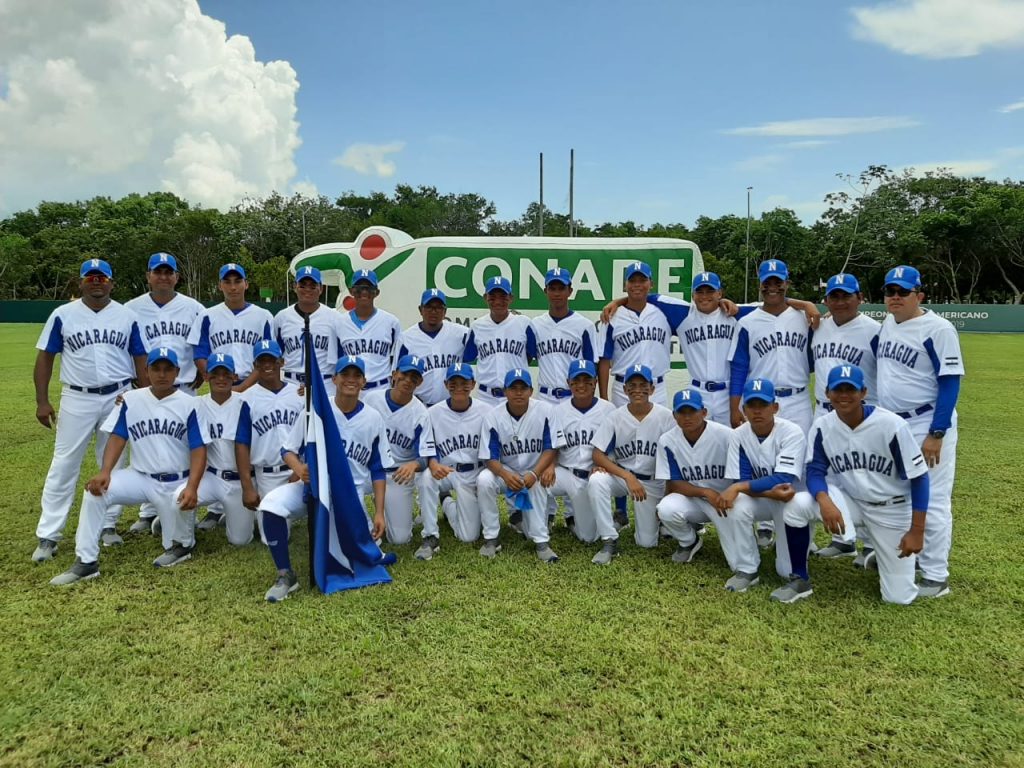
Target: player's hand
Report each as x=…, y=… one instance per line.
x=736, y=417
x=302, y=474
x=609, y=310
x=188, y=498
x=98, y=484
x=636, y=489
x=912, y=542
x=406, y=472
x=45, y=415
x=931, y=448
x=813, y=315
x=782, y=492
x=513, y=481
x=250, y=498
x=711, y=496
x=547, y=477
x=379, y=526
x=440, y=471
x=726, y=499
x=729, y=307
x=831, y=517
x=198, y=381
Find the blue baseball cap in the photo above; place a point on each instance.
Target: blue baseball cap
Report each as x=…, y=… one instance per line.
x=772, y=268
x=842, y=282
x=162, y=353
x=266, y=347
x=904, y=277
x=499, y=283
x=460, y=371
x=518, y=374
x=227, y=269
x=638, y=268
x=220, y=360
x=162, y=259
x=759, y=389
x=687, y=398
x=433, y=294
x=581, y=367
x=350, y=361
x=95, y=265
x=707, y=278
x=365, y=276
x=558, y=275
x=845, y=374
x=411, y=363
x=638, y=370
x=309, y=273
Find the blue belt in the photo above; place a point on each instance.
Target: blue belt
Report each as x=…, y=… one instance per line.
x=271, y=470
x=169, y=477
x=887, y=502
x=226, y=474
x=375, y=384
x=582, y=474
x=788, y=391
x=493, y=391
x=559, y=392
x=301, y=377
x=622, y=379
x=916, y=412
x=638, y=476
x=105, y=390
x=709, y=386
x=468, y=467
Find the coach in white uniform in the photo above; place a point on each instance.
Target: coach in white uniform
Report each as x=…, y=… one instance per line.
x=498, y=342
x=324, y=326
x=101, y=351
x=370, y=333
x=436, y=341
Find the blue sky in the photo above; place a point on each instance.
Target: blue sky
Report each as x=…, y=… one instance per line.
x=673, y=108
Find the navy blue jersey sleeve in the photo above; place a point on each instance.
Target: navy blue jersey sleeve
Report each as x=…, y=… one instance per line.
x=674, y=472
x=469, y=355
x=375, y=465
x=739, y=367
x=674, y=313
x=920, y=490
x=201, y=351
x=744, y=311
x=55, y=343
x=121, y=427
x=195, y=434
x=768, y=482
x=135, y=345
x=817, y=467
x=608, y=346
x=949, y=392
x=267, y=332
x=531, y=343
x=588, y=345
x=547, y=436
x=243, y=434
x=746, y=469
x=494, y=445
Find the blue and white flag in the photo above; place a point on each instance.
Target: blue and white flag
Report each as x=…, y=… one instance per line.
x=345, y=556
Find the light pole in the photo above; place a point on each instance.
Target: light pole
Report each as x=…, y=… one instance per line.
x=746, y=255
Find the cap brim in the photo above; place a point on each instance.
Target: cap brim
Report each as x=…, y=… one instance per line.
x=904, y=284
x=762, y=398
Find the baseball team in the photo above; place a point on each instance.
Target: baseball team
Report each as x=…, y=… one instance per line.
x=450, y=415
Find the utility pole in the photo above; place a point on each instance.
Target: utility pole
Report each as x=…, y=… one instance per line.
x=746, y=258
x=572, y=169
x=540, y=214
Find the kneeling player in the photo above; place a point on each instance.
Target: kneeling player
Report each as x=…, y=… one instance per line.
x=369, y=457
x=864, y=461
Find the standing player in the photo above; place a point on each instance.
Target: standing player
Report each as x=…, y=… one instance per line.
x=457, y=424
x=437, y=342
x=368, y=332
x=100, y=351
x=231, y=327
x=878, y=478
x=562, y=335
x=919, y=372
x=324, y=326
x=160, y=423
x=410, y=440
x=518, y=443
x=631, y=435
x=499, y=342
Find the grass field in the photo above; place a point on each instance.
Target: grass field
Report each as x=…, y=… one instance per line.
x=467, y=662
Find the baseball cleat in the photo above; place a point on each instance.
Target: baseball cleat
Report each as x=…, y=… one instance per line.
x=45, y=551
x=428, y=548
x=111, y=538
x=866, y=560
x=78, y=571
x=490, y=548
x=929, y=588
x=837, y=549
x=765, y=538
x=157, y=526
x=741, y=582
x=210, y=522
x=515, y=522
x=286, y=584
x=171, y=557
x=570, y=525
x=546, y=554
x=608, y=551
x=797, y=589
x=685, y=554
x=142, y=525
x=621, y=520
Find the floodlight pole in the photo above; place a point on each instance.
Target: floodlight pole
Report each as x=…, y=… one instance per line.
x=746, y=255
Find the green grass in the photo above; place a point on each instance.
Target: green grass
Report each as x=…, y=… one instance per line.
x=468, y=662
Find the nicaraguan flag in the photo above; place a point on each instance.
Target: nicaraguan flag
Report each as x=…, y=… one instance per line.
x=344, y=554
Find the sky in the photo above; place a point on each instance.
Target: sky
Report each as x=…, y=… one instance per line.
x=673, y=108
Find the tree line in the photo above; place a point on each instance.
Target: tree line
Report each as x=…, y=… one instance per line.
x=966, y=235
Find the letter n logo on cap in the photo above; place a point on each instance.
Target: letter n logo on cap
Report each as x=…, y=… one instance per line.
x=686, y=395
x=519, y=372
x=415, y=361
x=163, y=351
x=846, y=371
x=308, y=270
x=898, y=273
x=95, y=262
x=163, y=258
x=772, y=266
x=757, y=385
x=220, y=358
x=265, y=345
x=638, y=368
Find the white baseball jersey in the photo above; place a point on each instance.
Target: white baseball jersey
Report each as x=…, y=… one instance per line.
x=375, y=340
x=911, y=357
x=873, y=462
x=783, y=451
x=578, y=428
x=704, y=339
x=631, y=338
x=220, y=329
x=518, y=443
x=219, y=423
x=559, y=342
x=437, y=351
x=95, y=348
x=633, y=444
x=702, y=464
x=265, y=420
x=457, y=433
x=497, y=348
x=408, y=426
x=162, y=432
x=853, y=343
x=364, y=436
x=772, y=347
x=168, y=325
x=324, y=327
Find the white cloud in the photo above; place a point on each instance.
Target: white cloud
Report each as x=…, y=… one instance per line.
x=306, y=188
x=1017, y=105
x=956, y=167
x=808, y=144
x=370, y=159
x=825, y=126
x=111, y=97
x=942, y=29
x=759, y=163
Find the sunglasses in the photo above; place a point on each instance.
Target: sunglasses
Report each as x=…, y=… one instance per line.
x=895, y=290
x=96, y=279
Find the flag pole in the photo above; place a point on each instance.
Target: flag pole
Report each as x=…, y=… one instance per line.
x=311, y=506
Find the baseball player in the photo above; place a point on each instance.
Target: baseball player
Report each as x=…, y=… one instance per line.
x=577, y=419
x=160, y=423
x=563, y=337
x=101, y=351
x=499, y=341
x=518, y=443
x=410, y=440
x=366, y=447
x=864, y=465
x=436, y=341
x=626, y=448
x=766, y=464
x=324, y=325
x=919, y=372
x=691, y=461
x=457, y=424
x=232, y=327
x=370, y=333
